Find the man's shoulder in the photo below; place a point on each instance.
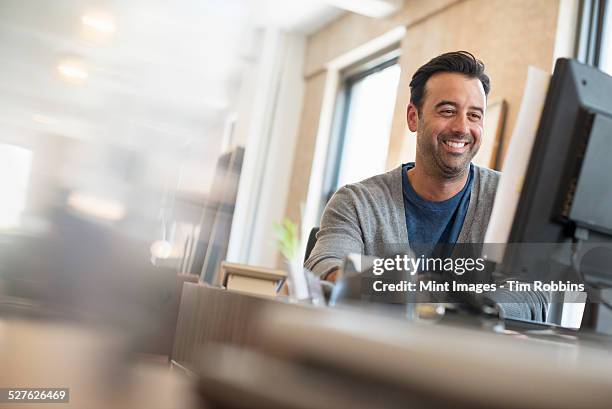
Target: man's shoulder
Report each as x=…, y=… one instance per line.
x=489, y=178
x=379, y=191
x=375, y=185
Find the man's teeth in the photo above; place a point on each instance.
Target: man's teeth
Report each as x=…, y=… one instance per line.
x=456, y=144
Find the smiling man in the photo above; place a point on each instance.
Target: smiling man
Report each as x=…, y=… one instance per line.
x=440, y=198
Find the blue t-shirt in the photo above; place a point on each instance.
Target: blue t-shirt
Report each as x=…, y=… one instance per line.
x=431, y=223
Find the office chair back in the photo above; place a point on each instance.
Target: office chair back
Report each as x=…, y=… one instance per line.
x=312, y=240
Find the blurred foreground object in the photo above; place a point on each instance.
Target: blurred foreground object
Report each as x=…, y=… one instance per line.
x=93, y=363
x=311, y=358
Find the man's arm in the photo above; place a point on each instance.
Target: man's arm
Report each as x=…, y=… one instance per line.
x=524, y=305
x=340, y=235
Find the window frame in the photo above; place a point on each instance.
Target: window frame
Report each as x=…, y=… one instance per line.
x=592, y=25
x=349, y=77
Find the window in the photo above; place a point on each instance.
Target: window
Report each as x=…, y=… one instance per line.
x=595, y=35
x=16, y=163
x=605, y=59
x=363, y=123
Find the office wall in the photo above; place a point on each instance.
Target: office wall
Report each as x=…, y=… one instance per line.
x=304, y=148
x=352, y=30
x=507, y=35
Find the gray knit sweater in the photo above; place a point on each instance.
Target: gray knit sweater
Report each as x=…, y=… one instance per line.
x=368, y=216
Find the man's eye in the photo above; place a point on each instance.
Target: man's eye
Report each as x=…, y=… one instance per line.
x=447, y=112
x=475, y=117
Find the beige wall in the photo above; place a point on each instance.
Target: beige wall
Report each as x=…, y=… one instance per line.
x=352, y=30
x=508, y=35
x=305, y=144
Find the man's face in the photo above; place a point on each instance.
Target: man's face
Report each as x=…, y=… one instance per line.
x=449, y=126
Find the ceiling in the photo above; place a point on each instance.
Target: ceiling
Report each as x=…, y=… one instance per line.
x=162, y=72
x=299, y=16
x=150, y=76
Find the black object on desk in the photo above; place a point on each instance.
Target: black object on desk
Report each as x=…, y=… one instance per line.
x=566, y=195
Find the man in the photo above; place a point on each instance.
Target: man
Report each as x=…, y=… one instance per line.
x=441, y=198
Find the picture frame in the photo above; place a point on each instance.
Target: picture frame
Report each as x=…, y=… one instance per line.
x=492, y=137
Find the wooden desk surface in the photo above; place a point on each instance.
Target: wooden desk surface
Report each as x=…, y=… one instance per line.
x=211, y=315
x=458, y=364
x=272, y=347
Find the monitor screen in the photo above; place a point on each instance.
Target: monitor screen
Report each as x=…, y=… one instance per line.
x=564, y=218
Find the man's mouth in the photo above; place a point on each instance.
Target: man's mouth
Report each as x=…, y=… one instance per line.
x=455, y=146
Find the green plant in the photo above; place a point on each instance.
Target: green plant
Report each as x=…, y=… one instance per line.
x=287, y=239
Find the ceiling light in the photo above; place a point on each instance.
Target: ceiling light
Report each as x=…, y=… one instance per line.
x=100, y=23
x=73, y=71
x=370, y=8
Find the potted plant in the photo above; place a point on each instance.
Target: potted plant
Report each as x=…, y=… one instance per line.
x=288, y=243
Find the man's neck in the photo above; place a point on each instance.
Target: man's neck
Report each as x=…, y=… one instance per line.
x=433, y=188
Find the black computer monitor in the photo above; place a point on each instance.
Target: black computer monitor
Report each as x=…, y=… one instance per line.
x=567, y=191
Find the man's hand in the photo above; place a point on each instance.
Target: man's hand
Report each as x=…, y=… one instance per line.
x=332, y=275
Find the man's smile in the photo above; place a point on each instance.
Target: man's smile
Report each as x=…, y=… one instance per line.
x=456, y=146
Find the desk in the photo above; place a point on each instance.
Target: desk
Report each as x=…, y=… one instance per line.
x=211, y=315
x=336, y=359
x=251, y=351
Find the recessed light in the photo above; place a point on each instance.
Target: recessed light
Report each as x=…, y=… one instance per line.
x=98, y=22
x=73, y=71
x=370, y=8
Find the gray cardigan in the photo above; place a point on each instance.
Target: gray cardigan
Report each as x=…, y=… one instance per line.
x=366, y=217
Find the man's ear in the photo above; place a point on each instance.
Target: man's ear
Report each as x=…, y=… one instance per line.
x=412, y=117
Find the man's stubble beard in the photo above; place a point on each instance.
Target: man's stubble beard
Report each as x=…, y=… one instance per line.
x=433, y=161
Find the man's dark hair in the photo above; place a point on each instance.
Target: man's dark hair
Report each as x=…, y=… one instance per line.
x=461, y=62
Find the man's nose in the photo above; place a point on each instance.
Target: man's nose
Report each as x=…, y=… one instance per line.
x=460, y=125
